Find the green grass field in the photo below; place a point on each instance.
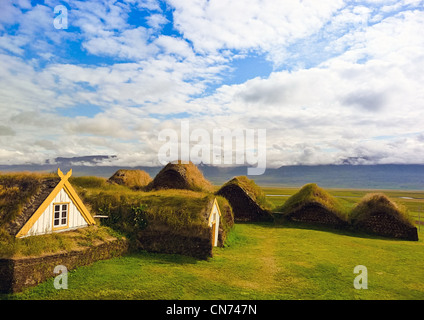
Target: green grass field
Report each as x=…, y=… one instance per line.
x=262, y=261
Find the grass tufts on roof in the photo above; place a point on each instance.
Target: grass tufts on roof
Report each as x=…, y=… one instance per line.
x=247, y=200
x=180, y=175
x=379, y=203
x=135, y=179
x=16, y=190
x=11, y=247
x=180, y=210
x=312, y=194
x=252, y=189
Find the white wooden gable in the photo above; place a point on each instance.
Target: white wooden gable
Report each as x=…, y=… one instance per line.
x=45, y=223
x=62, y=210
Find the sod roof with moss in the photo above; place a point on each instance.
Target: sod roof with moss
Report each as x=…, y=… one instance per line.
x=180, y=176
x=312, y=194
x=20, y=195
x=11, y=247
x=250, y=188
x=136, y=179
x=375, y=203
x=177, y=210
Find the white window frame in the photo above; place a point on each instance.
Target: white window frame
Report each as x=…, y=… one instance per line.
x=63, y=215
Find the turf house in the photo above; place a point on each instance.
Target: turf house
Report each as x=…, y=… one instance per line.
x=178, y=175
x=175, y=213
x=44, y=223
x=135, y=179
x=189, y=225
x=312, y=204
x=49, y=204
x=246, y=199
x=377, y=214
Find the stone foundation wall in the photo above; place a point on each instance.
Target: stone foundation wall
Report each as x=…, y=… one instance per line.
x=385, y=225
x=17, y=274
x=168, y=242
x=317, y=214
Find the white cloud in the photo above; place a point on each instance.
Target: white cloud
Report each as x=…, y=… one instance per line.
x=131, y=44
x=156, y=21
x=95, y=17
x=13, y=44
x=341, y=109
x=393, y=38
x=23, y=88
x=264, y=26
x=152, y=5
x=9, y=13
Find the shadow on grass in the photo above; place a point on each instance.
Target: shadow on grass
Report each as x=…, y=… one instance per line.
x=348, y=231
x=163, y=258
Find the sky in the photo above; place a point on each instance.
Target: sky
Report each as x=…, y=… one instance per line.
x=331, y=81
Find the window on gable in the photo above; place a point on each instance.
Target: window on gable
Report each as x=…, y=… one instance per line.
x=60, y=217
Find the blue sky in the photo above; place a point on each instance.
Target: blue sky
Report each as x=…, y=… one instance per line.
x=328, y=80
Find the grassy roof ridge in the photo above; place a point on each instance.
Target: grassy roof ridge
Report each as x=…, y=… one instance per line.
x=16, y=191
x=312, y=193
x=374, y=202
x=89, y=182
x=246, y=184
x=192, y=176
x=133, y=178
x=178, y=211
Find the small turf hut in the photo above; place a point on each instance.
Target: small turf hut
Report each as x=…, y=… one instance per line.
x=134, y=179
x=180, y=176
x=312, y=204
x=191, y=227
x=35, y=204
x=377, y=214
x=246, y=199
x=177, y=221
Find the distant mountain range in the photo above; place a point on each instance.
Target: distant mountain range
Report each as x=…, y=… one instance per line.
x=390, y=176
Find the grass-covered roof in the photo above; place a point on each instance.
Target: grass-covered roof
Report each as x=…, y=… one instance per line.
x=20, y=195
x=180, y=175
x=136, y=179
x=312, y=194
x=379, y=203
x=251, y=189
